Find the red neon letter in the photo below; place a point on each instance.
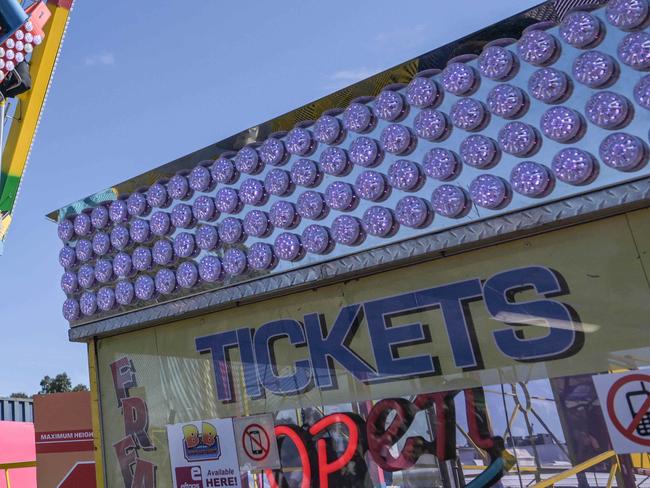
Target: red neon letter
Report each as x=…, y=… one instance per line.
x=380, y=439
x=445, y=428
x=477, y=418
x=325, y=468
x=288, y=431
x=123, y=378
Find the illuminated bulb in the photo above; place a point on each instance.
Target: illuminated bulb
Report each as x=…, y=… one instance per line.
x=28, y=26
x=10, y=65
x=20, y=57
x=28, y=48
x=20, y=46
x=20, y=35
x=2, y=52
x=2, y=63
x=10, y=54
x=37, y=40
x=29, y=37
x=2, y=76
x=10, y=43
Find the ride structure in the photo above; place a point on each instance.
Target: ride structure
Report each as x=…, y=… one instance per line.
x=31, y=35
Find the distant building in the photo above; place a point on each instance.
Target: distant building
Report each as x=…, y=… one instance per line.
x=17, y=409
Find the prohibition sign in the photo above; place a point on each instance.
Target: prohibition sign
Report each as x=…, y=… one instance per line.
x=256, y=442
x=628, y=431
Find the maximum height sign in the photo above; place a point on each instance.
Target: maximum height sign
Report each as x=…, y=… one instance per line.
x=625, y=400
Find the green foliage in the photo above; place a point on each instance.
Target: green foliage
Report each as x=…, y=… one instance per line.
x=59, y=384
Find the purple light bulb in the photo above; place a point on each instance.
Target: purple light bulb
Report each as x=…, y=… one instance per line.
x=378, y=221
x=234, y=261
x=144, y=287
x=210, y=269
x=530, y=179
x=412, y=212
x=449, y=201
x=489, y=191
x=316, y=239
x=422, y=92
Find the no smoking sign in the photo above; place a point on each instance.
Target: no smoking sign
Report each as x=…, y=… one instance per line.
x=625, y=400
x=257, y=447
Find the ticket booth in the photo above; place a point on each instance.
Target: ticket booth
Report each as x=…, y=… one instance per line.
x=417, y=277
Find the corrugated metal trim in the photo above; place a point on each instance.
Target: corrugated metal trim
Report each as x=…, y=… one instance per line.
x=610, y=201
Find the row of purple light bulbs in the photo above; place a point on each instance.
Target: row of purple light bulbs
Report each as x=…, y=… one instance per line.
x=619, y=150
x=605, y=109
x=378, y=221
x=529, y=163
x=580, y=29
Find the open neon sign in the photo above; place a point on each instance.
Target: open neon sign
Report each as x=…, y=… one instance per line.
x=376, y=437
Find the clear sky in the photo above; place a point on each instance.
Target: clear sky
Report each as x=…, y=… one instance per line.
x=139, y=84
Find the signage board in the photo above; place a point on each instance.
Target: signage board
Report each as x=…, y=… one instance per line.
x=65, y=452
x=257, y=447
x=202, y=454
x=625, y=400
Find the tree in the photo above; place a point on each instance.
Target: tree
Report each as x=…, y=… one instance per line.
x=20, y=394
x=59, y=384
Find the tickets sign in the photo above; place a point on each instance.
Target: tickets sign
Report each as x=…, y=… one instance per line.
x=549, y=306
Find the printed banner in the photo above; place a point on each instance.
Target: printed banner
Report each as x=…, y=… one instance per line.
x=202, y=454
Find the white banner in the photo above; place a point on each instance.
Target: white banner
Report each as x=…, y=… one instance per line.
x=202, y=455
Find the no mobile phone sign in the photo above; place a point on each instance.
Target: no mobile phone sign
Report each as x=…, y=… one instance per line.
x=625, y=400
x=257, y=446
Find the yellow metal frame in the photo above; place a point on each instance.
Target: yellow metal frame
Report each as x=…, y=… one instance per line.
x=6, y=467
x=582, y=467
x=95, y=413
x=24, y=126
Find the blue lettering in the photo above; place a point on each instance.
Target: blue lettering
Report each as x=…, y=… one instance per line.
x=451, y=300
x=272, y=380
x=324, y=347
x=217, y=345
x=386, y=338
x=562, y=336
x=245, y=340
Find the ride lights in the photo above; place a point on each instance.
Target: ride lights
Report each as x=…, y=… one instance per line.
x=23, y=39
x=562, y=111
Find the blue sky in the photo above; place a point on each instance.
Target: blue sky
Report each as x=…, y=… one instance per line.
x=138, y=86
